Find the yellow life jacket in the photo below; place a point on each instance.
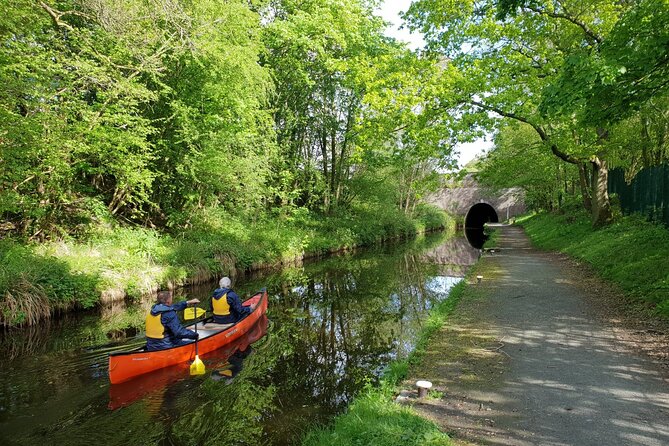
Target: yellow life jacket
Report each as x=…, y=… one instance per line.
x=220, y=305
x=154, y=328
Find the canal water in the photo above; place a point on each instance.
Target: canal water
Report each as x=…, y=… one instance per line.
x=332, y=327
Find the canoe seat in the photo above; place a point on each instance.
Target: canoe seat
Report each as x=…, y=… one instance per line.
x=204, y=333
x=213, y=326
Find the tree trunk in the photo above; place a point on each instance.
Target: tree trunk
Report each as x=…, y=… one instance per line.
x=333, y=165
x=407, y=202
x=601, y=205
x=645, y=143
x=324, y=152
x=583, y=182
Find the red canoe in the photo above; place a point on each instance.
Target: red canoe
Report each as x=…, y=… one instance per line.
x=155, y=383
x=124, y=366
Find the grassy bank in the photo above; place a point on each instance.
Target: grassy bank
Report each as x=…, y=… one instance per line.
x=374, y=417
x=113, y=263
x=632, y=252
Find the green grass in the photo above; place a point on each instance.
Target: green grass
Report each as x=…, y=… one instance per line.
x=374, y=418
x=116, y=262
x=631, y=252
x=493, y=238
x=33, y=286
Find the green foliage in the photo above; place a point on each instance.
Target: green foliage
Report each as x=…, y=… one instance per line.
x=135, y=261
x=315, y=50
x=431, y=217
x=72, y=120
x=233, y=414
x=646, y=132
x=347, y=103
x=505, y=166
x=157, y=143
x=137, y=106
x=33, y=286
x=152, y=113
x=571, y=70
x=628, y=68
x=631, y=252
x=215, y=139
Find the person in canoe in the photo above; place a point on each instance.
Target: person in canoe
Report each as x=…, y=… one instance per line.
x=163, y=329
x=226, y=305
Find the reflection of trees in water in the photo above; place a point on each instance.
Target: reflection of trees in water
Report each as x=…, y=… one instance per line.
x=39, y=339
x=190, y=410
x=345, y=324
x=85, y=426
x=104, y=328
x=234, y=413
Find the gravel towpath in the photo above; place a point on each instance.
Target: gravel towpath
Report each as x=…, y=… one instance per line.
x=529, y=360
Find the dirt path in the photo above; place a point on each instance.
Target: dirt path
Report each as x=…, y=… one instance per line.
x=529, y=359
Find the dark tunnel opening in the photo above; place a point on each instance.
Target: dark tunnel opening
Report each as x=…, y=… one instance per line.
x=477, y=216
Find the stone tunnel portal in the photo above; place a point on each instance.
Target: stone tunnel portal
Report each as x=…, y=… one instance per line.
x=477, y=216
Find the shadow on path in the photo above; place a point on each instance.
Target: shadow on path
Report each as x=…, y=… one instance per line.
x=525, y=361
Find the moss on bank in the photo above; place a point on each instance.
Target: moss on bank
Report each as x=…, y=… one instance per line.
x=111, y=264
x=631, y=252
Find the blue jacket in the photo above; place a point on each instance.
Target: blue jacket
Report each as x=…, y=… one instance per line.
x=174, y=332
x=237, y=310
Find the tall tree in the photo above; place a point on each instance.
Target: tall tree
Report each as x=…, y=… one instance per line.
x=513, y=54
x=214, y=130
x=138, y=110
x=73, y=133
x=316, y=50
x=350, y=100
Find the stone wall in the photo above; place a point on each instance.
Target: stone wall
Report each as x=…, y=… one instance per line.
x=458, y=200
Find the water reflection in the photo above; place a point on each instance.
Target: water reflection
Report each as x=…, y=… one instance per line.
x=476, y=237
x=454, y=256
x=335, y=324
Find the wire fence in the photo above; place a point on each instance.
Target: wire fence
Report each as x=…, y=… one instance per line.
x=647, y=194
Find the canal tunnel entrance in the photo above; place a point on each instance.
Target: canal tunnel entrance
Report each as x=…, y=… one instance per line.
x=477, y=216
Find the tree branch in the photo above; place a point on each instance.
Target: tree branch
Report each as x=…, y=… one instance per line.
x=556, y=15
x=542, y=133
x=55, y=16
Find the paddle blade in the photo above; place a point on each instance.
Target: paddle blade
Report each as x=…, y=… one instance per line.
x=193, y=312
x=197, y=367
